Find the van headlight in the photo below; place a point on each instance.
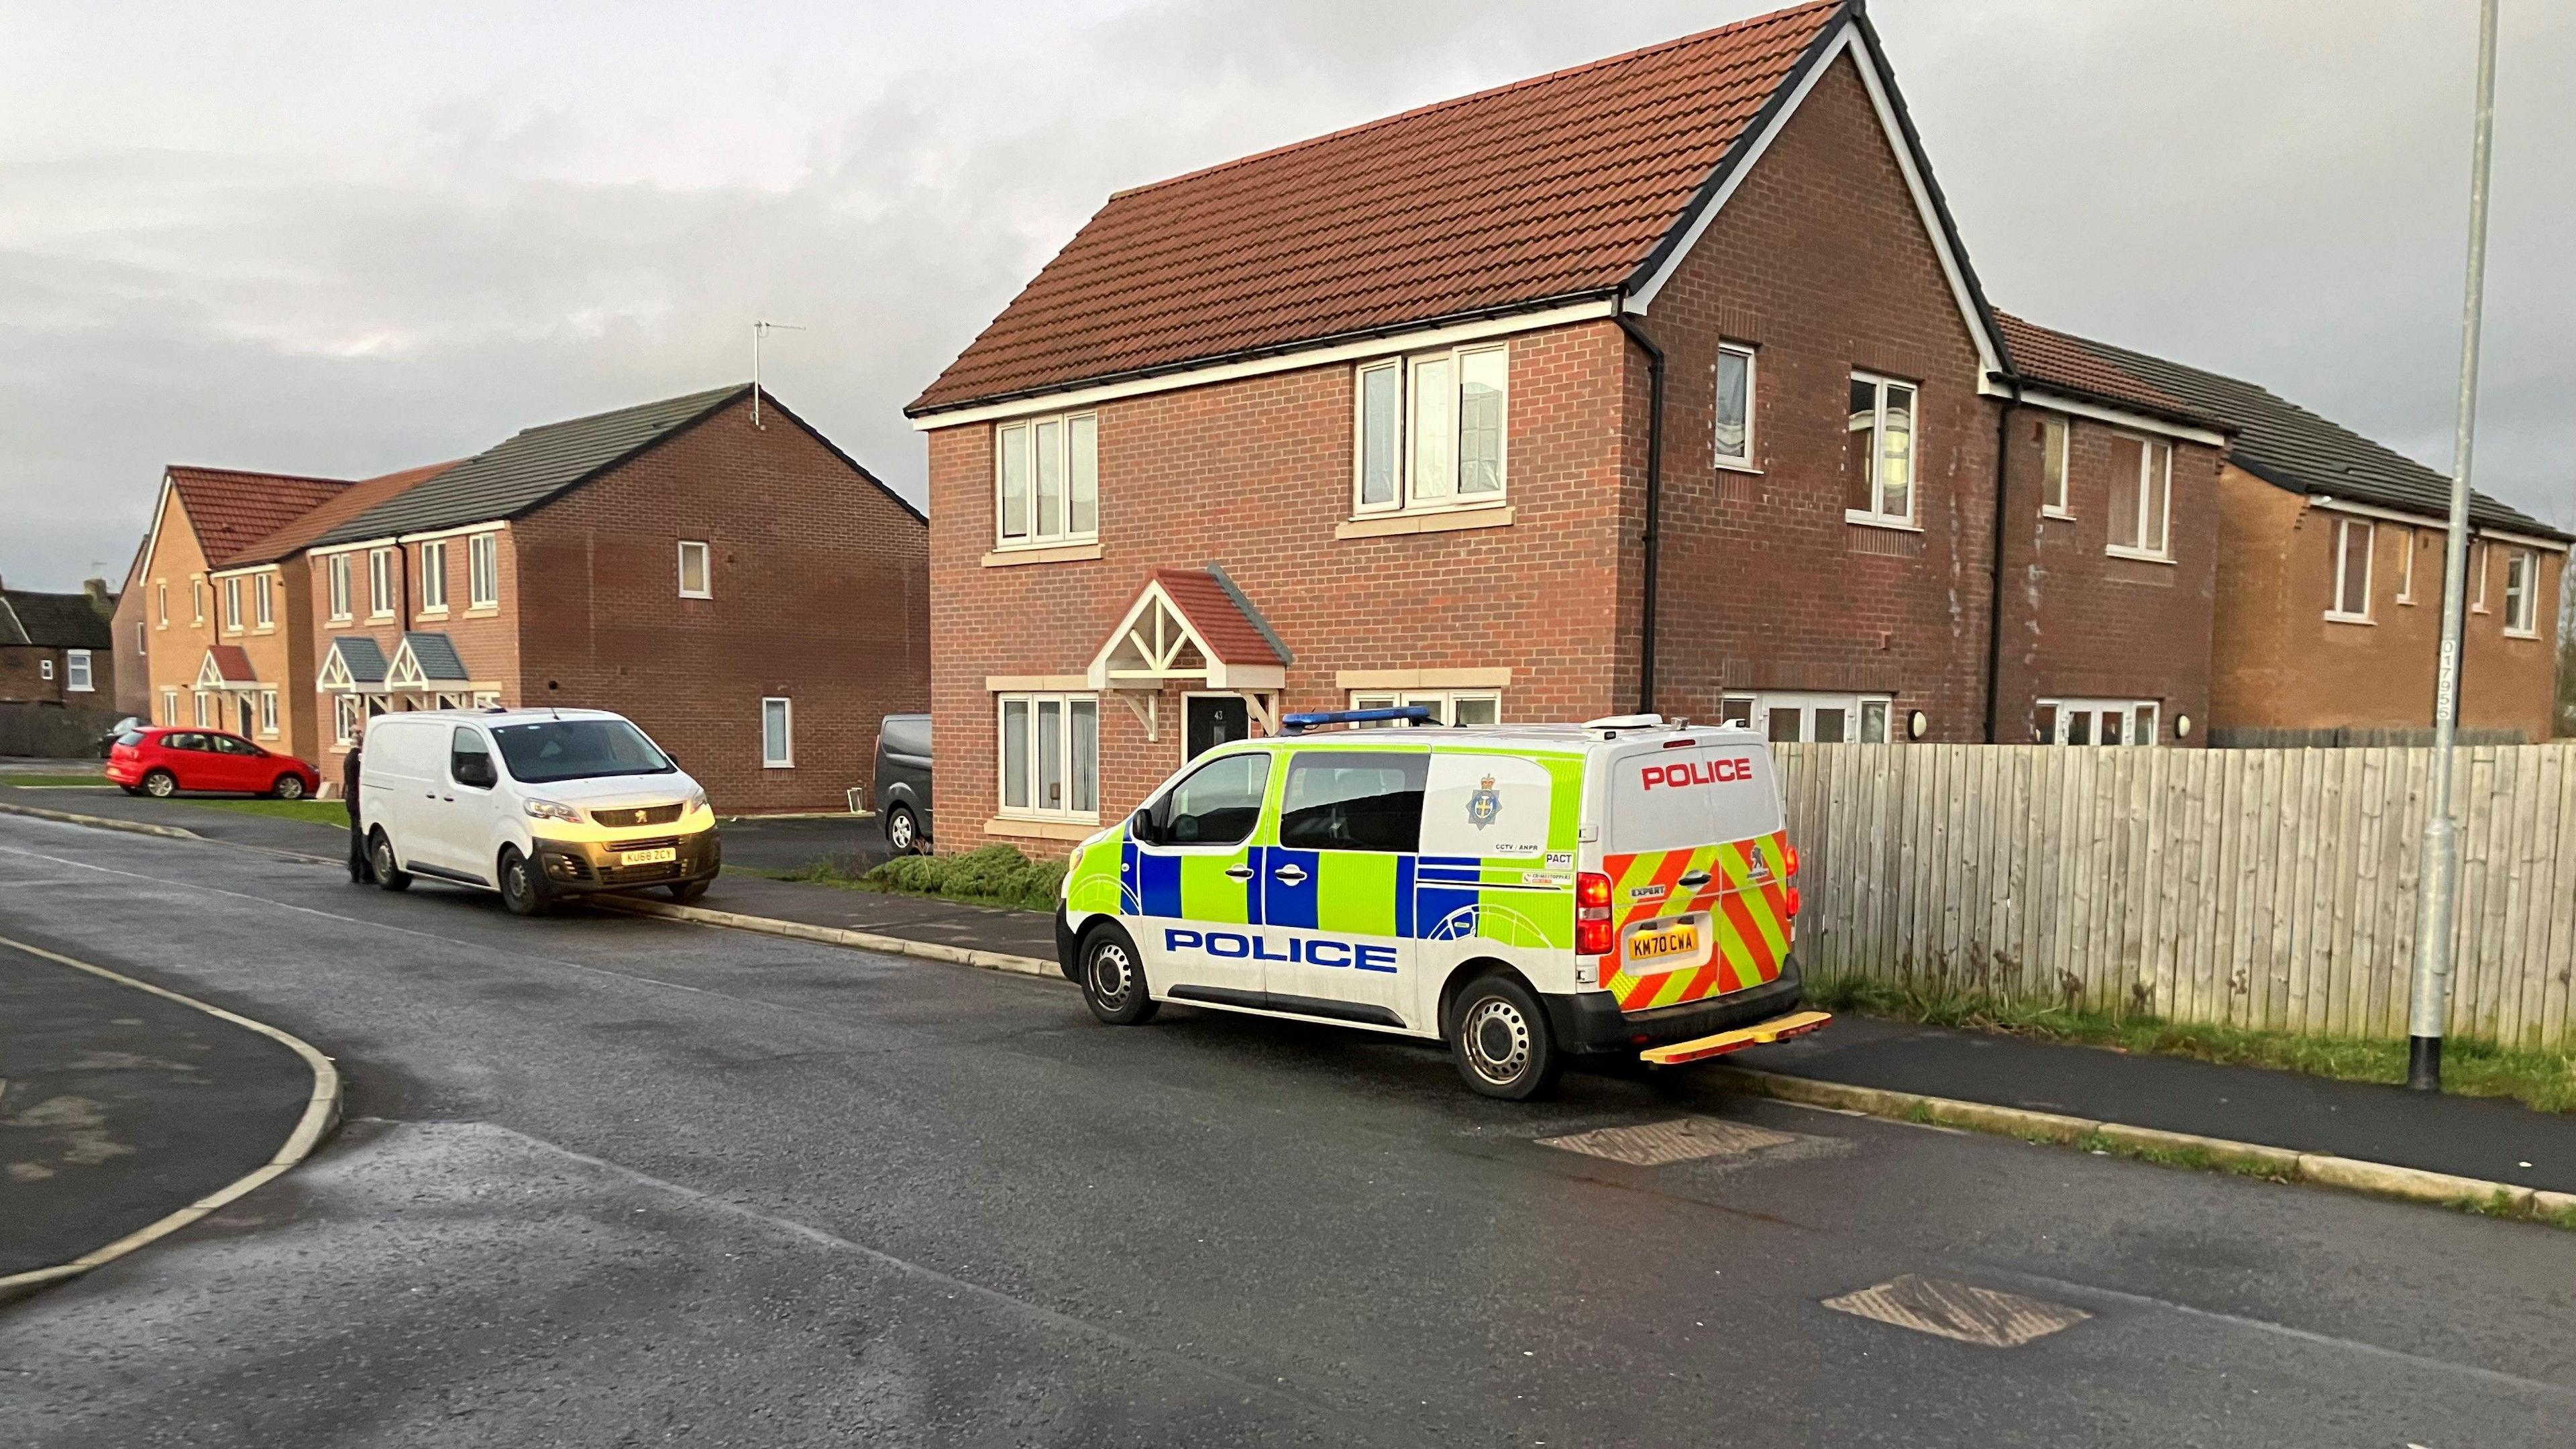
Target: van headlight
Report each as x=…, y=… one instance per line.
x=549, y=810
x=696, y=802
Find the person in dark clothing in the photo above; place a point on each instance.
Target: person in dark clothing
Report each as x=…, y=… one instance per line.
x=361, y=869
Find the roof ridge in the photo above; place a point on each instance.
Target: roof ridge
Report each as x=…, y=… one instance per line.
x=256, y=473
x=1430, y=107
x=658, y=402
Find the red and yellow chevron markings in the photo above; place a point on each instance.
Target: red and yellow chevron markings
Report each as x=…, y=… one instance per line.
x=1747, y=895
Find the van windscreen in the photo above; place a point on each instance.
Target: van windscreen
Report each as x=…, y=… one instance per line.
x=577, y=749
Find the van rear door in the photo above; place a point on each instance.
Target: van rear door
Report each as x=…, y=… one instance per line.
x=1699, y=881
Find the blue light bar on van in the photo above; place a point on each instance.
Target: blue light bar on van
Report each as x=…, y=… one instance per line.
x=1298, y=724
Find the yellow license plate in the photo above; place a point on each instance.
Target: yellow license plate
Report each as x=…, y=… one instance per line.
x=1663, y=943
x=663, y=856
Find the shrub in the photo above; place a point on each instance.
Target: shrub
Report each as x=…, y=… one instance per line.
x=993, y=875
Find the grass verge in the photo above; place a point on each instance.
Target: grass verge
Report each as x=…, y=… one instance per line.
x=318, y=812
x=41, y=782
x=996, y=875
x=2542, y=1080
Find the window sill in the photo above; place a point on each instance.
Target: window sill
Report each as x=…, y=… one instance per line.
x=2138, y=554
x=2059, y=514
x=1026, y=828
x=483, y=611
x=2334, y=618
x=1011, y=556
x=438, y=612
x=1439, y=520
x=338, y=623
x=2522, y=633
x=1731, y=465
x=778, y=765
x=1858, y=519
x=684, y=593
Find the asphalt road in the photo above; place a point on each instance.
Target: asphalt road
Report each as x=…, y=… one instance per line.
x=612, y=1180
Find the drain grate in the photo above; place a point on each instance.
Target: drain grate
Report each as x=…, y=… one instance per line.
x=1958, y=1310
x=1655, y=1143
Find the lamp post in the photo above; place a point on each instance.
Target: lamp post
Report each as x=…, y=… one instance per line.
x=2429, y=1008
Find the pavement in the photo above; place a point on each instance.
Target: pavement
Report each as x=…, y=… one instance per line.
x=611, y=1180
x=118, y=1106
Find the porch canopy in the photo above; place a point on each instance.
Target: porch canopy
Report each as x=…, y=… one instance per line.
x=425, y=672
x=1195, y=627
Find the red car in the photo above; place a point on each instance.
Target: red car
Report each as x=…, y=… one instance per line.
x=162, y=760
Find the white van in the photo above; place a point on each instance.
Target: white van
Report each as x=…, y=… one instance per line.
x=1523, y=892
x=532, y=803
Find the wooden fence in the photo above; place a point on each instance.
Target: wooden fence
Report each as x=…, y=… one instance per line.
x=2259, y=888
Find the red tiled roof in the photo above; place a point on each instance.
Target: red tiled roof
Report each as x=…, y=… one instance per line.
x=305, y=529
x=231, y=509
x=232, y=663
x=1219, y=621
x=1555, y=187
x=2063, y=360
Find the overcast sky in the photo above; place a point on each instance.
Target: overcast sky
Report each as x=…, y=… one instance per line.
x=343, y=239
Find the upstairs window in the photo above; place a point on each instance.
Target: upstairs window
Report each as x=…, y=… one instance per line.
x=2478, y=577
x=1734, y=406
x=161, y=602
x=2405, y=565
x=433, y=576
x=2141, y=497
x=340, y=587
x=483, y=570
x=76, y=671
x=2055, y=441
x=2352, y=540
x=197, y=599
x=1046, y=481
x=1878, y=453
x=380, y=582
x=233, y=605
x=694, y=583
x=264, y=593
x=2521, y=594
x=1430, y=430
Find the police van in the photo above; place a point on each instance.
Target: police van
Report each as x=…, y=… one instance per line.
x=1522, y=892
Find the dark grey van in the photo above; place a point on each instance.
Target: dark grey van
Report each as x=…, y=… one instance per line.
x=903, y=781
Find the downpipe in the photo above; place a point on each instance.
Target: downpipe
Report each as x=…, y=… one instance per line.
x=1654, y=498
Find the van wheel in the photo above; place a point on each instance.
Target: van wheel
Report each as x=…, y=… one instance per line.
x=380, y=854
x=1113, y=979
x=160, y=784
x=520, y=890
x=903, y=832
x=1499, y=1038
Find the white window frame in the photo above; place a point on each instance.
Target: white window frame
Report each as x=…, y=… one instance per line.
x=45, y=669
x=2405, y=564
x=348, y=719
x=786, y=759
x=433, y=576
x=161, y=603
x=1740, y=462
x=169, y=705
x=264, y=601
x=2155, y=456
x=1876, y=515
x=197, y=598
x=233, y=604
x=1753, y=708
x=2478, y=576
x=1031, y=808
x=198, y=697
x=2141, y=720
x=1442, y=702
x=1022, y=435
x=706, y=588
x=483, y=571
x=77, y=675
x=2335, y=611
x=2521, y=600
x=382, y=587
x=343, y=598
x=268, y=714
x=2057, y=449
x=1407, y=368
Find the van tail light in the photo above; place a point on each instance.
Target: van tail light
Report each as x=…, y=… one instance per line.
x=1594, y=935
x=1794, y=901
x=1793, y=858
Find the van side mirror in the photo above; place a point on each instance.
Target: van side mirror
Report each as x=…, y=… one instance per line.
x=1140, y=825
x=477, y=771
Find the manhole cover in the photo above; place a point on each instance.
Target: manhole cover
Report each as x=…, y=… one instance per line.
x=1656, y=1143
x=1958, y=1310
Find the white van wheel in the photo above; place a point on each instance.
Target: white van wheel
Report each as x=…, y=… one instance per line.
x=1113, y=979
x=389, y=874
x=1499, y=1037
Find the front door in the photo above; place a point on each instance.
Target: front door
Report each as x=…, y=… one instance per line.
x=1188, y=882
x=1339, y=886
x=1213, y=720
x=242, y=712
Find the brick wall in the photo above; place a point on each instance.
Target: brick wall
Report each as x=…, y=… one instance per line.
x=2279, y=663
x=821, y=595
x=2082, y=624
x=178, y=647
x=133, y=662
x=486, y=639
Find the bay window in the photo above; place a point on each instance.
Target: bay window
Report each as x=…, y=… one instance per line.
x=1046, y=479
x=2141, y=497
x=1430, y=429
x=1050, y=755
x=1878, y=452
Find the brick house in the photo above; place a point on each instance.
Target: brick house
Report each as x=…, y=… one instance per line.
x=738, y=586
x=57, y=650
x=1662, y=382
x=2329, y=555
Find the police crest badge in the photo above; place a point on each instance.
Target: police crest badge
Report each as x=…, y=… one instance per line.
x=1484, y=804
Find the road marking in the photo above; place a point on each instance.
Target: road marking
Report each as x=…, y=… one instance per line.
x=1654, y=1144
x=1960, y=1311
x=319, y=1110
